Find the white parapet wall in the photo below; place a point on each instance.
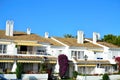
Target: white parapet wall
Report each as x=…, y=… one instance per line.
x=34, y=76
x=99, y=77
x=99, y=71
x=7, y=76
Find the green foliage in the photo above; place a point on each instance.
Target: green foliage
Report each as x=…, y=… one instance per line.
x=68, y=36
x=112, y=39
x=1, y=73
x=19, y=70
x=43, y=68
x=105, y=77
x=12, y=73
x=75, y=73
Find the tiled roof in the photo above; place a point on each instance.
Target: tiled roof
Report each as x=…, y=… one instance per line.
x=110, y=45
x=31, y=37
x=73, y=42
x=67, y=41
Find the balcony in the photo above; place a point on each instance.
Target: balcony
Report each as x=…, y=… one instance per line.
x=3, y=51
x=32, y=53
x=23, y=52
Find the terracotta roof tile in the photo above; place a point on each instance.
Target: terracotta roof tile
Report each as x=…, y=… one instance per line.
x=73, y=42
x=31, y=37
x=110, y=45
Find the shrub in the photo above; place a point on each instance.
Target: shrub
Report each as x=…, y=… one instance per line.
x=43, y=68
x=117, y=59
x=105, y=77
x=63, y=63
x=12, y=73
x=75, y=73
x=19, y=70
x=1, y=73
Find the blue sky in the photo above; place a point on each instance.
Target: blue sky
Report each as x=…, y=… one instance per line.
x=59, y=17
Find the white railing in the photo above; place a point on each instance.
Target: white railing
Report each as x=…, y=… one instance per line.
x=3, y=51
x=26, y=54
x=31, y=53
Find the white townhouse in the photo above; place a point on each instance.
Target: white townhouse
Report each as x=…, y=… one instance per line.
x=99, y=54
x=27, y=48
x=32, y=51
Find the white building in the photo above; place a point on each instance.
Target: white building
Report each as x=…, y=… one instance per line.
x=100, y=54
x=24, y=47
x=33, y=50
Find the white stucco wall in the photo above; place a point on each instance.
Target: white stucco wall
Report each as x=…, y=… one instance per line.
x=11, y=48
x=90, y=54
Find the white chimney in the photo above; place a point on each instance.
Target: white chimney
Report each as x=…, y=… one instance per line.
x=28, y=31
x=80, y=37
x=46, y=35
x=9, y=28
x=96, y=36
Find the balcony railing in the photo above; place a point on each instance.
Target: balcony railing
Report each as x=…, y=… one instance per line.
x=32, y=53
x=3, y=51
x=23, y=52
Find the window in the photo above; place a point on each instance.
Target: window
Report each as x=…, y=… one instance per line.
x=80, y=54
x=94, y=52
x=41, y=52
x=2, y=65
x=27, y=67
x=3, y=48
x=77, y=54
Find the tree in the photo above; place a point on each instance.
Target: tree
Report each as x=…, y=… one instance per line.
x=19, y=70
x=110, y=38
x=68, y=36
x=118, y=41
x=117, y=59
x=63, y=63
